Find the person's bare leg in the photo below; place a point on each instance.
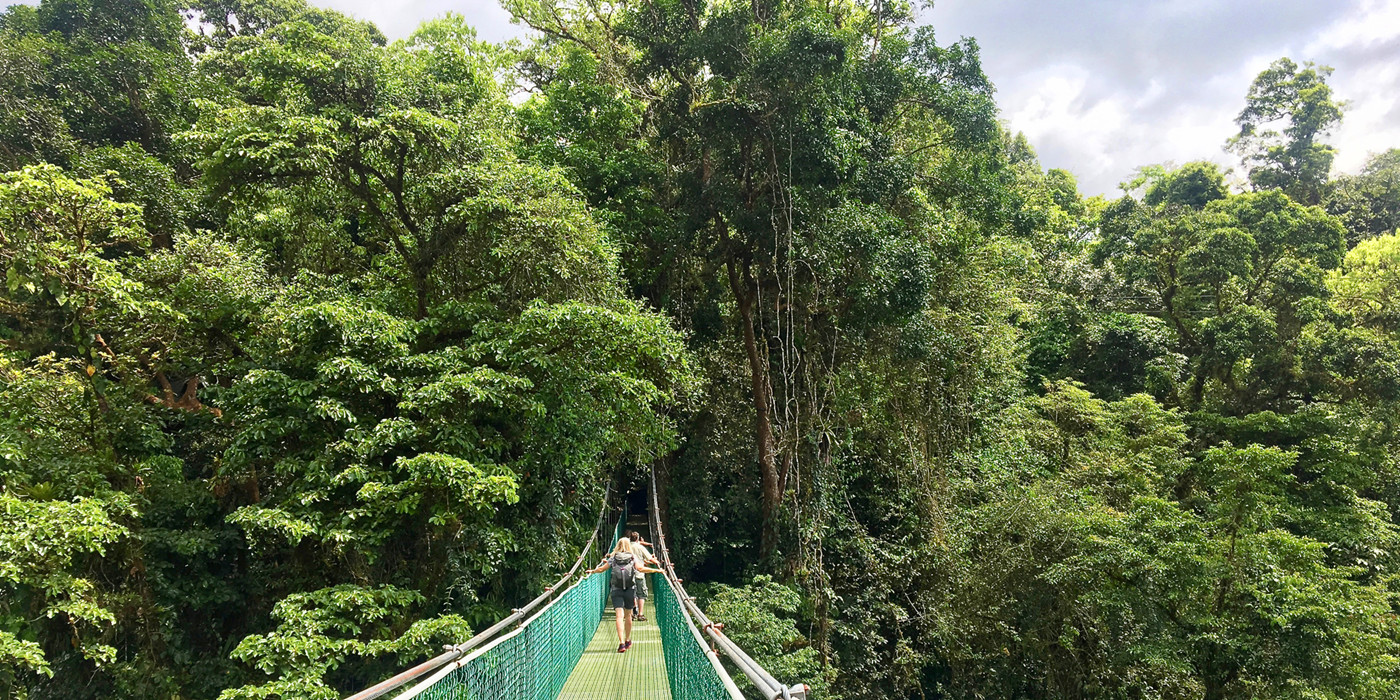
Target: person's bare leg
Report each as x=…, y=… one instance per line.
x=628, y=621
x=642, y=607
x=623, y=613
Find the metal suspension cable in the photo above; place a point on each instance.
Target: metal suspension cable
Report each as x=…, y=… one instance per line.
x=455, y=652
x=771, y=687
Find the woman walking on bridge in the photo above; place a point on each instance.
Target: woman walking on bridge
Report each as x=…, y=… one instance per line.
x=622, y=590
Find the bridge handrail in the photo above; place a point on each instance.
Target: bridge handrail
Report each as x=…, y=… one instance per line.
x=453, y=664
x=457, y=651
x=771, y=687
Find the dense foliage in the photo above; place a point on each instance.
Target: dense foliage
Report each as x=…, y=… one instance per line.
x=318, y=350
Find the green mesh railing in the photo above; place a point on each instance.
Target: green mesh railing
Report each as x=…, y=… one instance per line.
x=532, y=662
x=688, y=667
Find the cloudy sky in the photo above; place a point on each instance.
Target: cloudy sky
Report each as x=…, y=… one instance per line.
x=1104, y=86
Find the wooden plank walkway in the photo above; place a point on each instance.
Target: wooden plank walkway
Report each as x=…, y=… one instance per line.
x=604, y=674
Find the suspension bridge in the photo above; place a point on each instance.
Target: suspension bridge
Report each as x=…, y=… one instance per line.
x=563, y=644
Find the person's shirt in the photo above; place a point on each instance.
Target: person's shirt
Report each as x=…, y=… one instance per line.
x=643, y=556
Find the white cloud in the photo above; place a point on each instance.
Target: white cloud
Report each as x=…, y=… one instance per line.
x=1058, y=113
x=1102, y=87
x=1375, y=21
x=1087, y=132
x=1365, y=49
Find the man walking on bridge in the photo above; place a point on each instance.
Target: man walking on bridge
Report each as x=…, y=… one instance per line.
x=644, y=555
x=623, y=587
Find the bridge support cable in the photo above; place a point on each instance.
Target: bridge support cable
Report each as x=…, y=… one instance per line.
x=556, y=642
x=770, y=687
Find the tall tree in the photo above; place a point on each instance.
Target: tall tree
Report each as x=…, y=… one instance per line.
x=1297, y=100
x=794, y=135
x=1368, y=283
x=1368, y=203
x=115, y=71
x=410, y=139
x=1232, y=278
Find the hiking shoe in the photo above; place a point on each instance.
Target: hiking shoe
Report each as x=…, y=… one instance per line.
x=641, y=618
x=627, y=646
x=621, y=648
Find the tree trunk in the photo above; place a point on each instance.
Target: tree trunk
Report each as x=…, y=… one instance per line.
x=761, y=392
x=420, y=284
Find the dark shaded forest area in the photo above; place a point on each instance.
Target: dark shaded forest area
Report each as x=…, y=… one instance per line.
x=318, y=351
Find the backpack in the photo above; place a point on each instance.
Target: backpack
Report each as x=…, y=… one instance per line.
x=624, y=570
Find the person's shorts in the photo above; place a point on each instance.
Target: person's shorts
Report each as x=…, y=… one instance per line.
x=641, y=588
x=624, y=599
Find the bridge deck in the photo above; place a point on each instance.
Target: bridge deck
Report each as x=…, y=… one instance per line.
x=604, y=674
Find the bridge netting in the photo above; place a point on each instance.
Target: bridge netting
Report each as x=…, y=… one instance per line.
x=689, y=670
x=533, y=661
x=531, y=654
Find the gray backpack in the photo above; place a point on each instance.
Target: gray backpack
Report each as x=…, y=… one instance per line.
x=624, y=570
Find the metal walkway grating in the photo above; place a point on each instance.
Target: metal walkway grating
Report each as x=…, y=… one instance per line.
x=604, y=674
